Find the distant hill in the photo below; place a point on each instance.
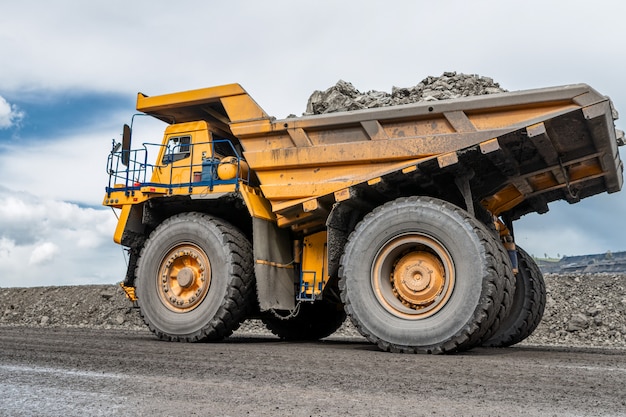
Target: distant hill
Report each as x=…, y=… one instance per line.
x=614, y=262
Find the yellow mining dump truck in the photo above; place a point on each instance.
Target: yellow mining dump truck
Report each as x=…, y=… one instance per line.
x=400, y=217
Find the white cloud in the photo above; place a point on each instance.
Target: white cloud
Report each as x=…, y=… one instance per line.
x=66, y=168
x=43, y=253
x=281, y=53
x=10, y=115
x=6, y=247
x=62, y=243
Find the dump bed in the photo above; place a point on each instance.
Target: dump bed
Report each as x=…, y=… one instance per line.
x=519, y=150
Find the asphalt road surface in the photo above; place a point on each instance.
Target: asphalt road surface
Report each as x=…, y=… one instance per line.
x=80, y=372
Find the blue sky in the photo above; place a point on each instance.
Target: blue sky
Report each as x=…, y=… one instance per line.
x=70, y=72
x=61, y=114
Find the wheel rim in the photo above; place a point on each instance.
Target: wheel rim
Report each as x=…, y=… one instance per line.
x=184, y=277
x=413, y=276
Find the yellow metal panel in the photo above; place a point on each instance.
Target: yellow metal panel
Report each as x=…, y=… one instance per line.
x=179, y=128
x=503, y=200
x=258, y=206
x=242, y=107
x=200, y=191
x=374, y=130
x=129, y=292
x=349, y=153
x=310, y=205
x=434, y=125
x=344, y=134
x=543, y=181
x=510, y=117
x=314, y=264
x=254, y=127
x=584, y=169
x=186, y=98
x=489, y=146
x=303, y=218
x=278, y=205
x=267, y=143
x=148, y=189
x=299, y=137
x=447, y=159
x=288, y=184
x=118, y=199
x=121, y=223
x=342, y=195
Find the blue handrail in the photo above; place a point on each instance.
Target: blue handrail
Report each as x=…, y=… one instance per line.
x=134, y=175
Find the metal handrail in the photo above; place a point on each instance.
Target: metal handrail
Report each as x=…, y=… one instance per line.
x=134, y=175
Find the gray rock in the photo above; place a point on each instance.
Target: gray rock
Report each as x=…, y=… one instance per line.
x=107, y=295
x=343, y=96
x=594, y=311
x=577, y=322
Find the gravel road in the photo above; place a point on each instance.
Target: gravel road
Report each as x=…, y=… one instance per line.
x=83, y=351
x=77, y=372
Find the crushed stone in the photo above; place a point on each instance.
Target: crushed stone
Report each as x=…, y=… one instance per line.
x=343, y=96
x=581, y=310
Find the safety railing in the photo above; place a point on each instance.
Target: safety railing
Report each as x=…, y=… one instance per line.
x=129, y=170
x=310, y=288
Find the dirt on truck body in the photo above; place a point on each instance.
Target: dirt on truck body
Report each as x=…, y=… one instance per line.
x=399, y=217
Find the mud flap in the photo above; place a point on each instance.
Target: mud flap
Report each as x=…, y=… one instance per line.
x=274, y=267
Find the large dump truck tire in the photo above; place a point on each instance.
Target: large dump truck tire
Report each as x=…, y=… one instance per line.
x=508, y=283
x=528, y=305
x=313, y=321
x=421, y=275
x=194, y=279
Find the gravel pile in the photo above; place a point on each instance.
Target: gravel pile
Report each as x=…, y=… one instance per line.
x=344, y=97
x=582, y=310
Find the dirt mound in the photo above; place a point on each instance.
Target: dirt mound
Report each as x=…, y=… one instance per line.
x=345, y=97
x=584, y=309
x=581, y=310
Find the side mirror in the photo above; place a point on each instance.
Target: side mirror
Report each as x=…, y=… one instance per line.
x=126, y=145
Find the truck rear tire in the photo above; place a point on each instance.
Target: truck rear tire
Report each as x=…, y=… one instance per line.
x=529, y=301
x=419, y=274
x=313, y=321
x=194, y=279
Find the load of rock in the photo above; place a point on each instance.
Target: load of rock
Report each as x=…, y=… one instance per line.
x=343, y=96
x=582, y=310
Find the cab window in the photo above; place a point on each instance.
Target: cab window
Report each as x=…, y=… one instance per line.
x=178, y=147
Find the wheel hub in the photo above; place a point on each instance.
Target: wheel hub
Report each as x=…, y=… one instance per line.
x=184, y=277
x=413, y=276
x=418, y=278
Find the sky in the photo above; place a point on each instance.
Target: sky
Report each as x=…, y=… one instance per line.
x=70, y=72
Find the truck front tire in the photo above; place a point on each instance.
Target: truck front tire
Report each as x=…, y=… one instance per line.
x=194, y=278
x=419, y=274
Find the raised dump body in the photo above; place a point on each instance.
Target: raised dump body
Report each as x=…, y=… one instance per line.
x=522, y=149
x=423, y=195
